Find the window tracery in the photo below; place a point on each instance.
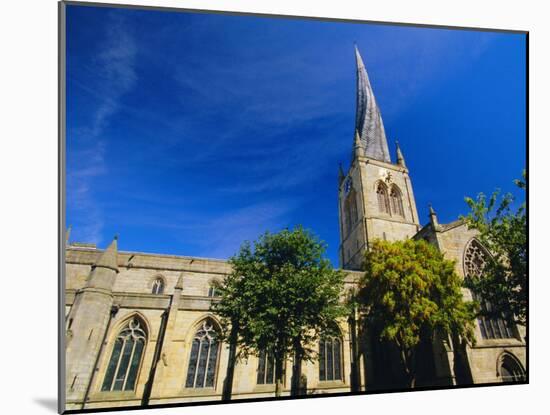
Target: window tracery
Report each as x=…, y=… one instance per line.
x=396, y=201
x=350, y=211
x=213, y=291
x=266, y=368
x=158, y=286
x=330, y=359
x=382, y=196
x=203, y=359
x=475, y=259
x=510, y=369
x=125, y=358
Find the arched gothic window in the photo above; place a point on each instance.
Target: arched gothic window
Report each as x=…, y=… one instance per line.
x=510, y=369
x=350, y=209
x=330, y=359
x=126, y=357
x=396, y=201
x=475, y=258
x=353, y=207
x=204, y=357
x=158, y=286
x=212, y=291
x=382, y=194
x=347, y=216
x=266, y=368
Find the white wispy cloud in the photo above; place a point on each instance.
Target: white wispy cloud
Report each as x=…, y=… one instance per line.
x=282, y=101
x=207, y=234
x=226, y=233
x=115, y=70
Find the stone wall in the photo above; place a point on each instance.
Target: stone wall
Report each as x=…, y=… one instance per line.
x=452, y=239
x=132, y=293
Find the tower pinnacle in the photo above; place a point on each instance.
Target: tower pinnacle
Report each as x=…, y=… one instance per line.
x=368, y=120
x=400, y=158
x=341, y=174
x=433, y=217
x=108, y=258
x=358, y=146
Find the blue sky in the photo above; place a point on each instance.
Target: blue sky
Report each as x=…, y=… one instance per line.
x=190, y=133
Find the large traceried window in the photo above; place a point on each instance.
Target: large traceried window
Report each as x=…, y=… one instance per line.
x=204, y=357
x=382, y=195
x=475, y=258
x=330, y=359
x=396, y=201
x=266, y=369
x=126, y=357
x=158, y=286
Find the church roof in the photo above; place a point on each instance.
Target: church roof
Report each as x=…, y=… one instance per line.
x=368, y=120
x=454, y=224
x=444, y=227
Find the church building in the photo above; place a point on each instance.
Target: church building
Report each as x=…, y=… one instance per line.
x=140, y=331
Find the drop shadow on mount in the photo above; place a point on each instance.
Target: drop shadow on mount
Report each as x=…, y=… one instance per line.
x=48, y=403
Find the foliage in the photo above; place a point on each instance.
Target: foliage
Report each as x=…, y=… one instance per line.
x=503, y=232
x=283, y=295
x=409, y=289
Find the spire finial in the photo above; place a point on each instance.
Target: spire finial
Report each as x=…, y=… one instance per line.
x=368, y=120
x=358, y=58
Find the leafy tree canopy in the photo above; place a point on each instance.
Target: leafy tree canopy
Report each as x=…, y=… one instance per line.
x=409, y=288
x=282, y=293
x=503, y=231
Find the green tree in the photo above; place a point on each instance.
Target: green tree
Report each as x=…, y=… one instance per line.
x=280, y=297
x=409, y=289
x=503, y=231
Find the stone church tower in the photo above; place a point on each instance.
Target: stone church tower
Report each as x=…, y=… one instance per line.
x=375, y=197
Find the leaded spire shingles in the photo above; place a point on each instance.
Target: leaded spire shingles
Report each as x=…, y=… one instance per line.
x=368, y=121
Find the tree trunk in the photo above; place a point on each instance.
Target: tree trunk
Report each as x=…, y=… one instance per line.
x=355, y=374
x=296, y=368
x=408, y=358
x=279, y=375
x=228, y=382
x=411, y=381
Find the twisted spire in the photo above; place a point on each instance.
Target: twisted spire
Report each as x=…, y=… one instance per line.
x=368, y=120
